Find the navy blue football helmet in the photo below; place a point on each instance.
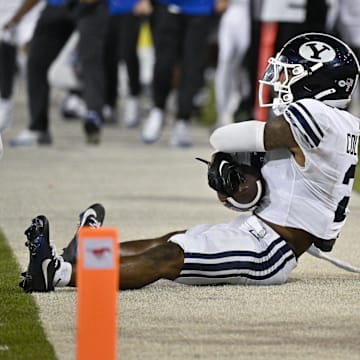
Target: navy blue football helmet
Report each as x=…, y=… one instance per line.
x=311, y=65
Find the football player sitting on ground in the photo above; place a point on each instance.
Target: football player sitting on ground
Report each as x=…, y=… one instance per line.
x=310, y=155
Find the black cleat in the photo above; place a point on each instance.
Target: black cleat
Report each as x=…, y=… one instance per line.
x=43, y=262
x=93, y=217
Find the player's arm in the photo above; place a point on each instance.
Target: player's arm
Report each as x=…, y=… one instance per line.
x=278, y=134
x=256, y=136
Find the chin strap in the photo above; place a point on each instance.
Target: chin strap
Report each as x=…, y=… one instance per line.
x=314, y=251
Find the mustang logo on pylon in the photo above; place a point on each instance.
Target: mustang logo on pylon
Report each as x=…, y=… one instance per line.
x=99, y=252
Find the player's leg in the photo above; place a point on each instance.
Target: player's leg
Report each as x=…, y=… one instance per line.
x=244, y=251
x=94, y=216
x=162, y=261
x=136, y=247
x=143, y=262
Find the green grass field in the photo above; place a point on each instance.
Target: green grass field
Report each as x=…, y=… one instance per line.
x=21, y=334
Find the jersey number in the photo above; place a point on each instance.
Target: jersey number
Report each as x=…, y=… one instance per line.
x=340, y=213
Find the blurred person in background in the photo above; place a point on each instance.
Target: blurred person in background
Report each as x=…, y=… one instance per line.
x=57, y=22
x=126, y=18
x=233, y=42
x=14, y=36
x=121, y=46
x=181, y=30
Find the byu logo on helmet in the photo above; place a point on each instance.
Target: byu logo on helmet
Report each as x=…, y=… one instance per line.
x=317, y=51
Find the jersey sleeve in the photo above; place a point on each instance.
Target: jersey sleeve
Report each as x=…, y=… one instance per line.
x=308, y=122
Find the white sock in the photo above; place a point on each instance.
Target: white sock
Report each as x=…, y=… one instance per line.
x=63, y=274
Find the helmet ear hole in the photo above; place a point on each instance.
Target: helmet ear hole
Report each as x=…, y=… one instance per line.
x=297, y=70
x=288, y=98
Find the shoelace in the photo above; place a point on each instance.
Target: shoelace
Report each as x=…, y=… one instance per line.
x=34, y=236
x=34, y=244
x=93, y=222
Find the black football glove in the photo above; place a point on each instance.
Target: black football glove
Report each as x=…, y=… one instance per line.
x=224, y=175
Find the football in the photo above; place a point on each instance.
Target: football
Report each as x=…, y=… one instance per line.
x=248, y=195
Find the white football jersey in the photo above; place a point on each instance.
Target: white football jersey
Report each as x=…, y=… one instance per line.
x=314, y=197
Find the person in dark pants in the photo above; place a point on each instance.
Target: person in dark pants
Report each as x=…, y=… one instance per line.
x=55, y=25
x=126, y=17
x=7, y=75
x=181, y=31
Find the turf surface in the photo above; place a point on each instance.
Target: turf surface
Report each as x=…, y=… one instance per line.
x=21, y=334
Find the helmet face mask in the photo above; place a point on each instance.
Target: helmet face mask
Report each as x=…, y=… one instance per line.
x=313, y=65
x=280, y=76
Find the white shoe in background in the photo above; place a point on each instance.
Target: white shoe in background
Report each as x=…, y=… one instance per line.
x=152, y=128
x=27, y=138
x=110, y=115
x=180, y=136
x=73, y=107
x=6, y=109
x=132, y=112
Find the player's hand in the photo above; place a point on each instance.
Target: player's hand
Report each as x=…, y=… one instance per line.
x=224, y=175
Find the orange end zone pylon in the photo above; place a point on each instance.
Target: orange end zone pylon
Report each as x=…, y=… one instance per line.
x=269, y=31
x=98, y=285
